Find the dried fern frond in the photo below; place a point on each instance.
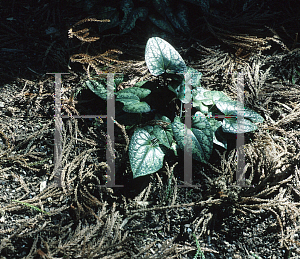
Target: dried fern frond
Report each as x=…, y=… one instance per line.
x=105, y=59
x=84, y=33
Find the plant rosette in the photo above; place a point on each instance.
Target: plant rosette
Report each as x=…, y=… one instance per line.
x=148, y=144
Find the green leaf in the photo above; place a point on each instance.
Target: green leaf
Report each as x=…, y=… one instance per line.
x=149, y=128
x=177, y=119
x=231, y=125
x=145, y=156
x=141, y=83
x=234, y=108
x=162, y=24
x=129, y=24
x=127, y=7
x=140, y=92
x=161, y=57
x=139, y=107
x=216, y=127
x=195, y=76
x=127, y=98
x=219, y=138
x=182, y=17
x=199, y=101
x=173, y=18
x=110, y=13
x=202, y=138
x=165, y=136
x=31, y=206
x=216, y=95
x=118, y=80
x=98, y=87
x=161, y=117
x=198, y=96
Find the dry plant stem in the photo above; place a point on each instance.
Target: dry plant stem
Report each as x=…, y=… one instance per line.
x=84, y=33
x=200, y=203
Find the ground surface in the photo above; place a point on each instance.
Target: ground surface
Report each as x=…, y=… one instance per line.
x=81, y=219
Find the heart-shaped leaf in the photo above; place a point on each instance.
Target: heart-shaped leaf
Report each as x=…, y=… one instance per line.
x=145, y=155
x=138, y=91
x=183, y=17
x=235, y=108
x=140, y=83
x=149, y=128
x=162, y=24
x=138, y=13
x=98, y=87
x=191, y=78
x=161, y=57
x=127, y=98
x=202, y=138
x=165, y=136
x=198, y=96
x=162, y=117
x=216, y=95
x=140, y=107
x=232, y=125
x=216, y=127
x=195, y=76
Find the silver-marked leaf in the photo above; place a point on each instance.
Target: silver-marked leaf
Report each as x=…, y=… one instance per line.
x=199, y=101
x=149, y=128
x=141, y=83
x=161, y=57
x=179, y=90
x=182, y=17
x=98, y=87
x=140, y=92
x=177, y=119
x=235, y=108
x=162, y=117
x=127, y=7
x=219, y=139
x=232, y=125
x=138, y=13
x=202, y=138
x=162, y=24
x=191, y=78
x=173, y=19
x=216, y=95
x=140, y=107
x=165, y=136
x=118, y=79
x=145, y=155
x=127, y=98
x=195, y=77
x=198, y=96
